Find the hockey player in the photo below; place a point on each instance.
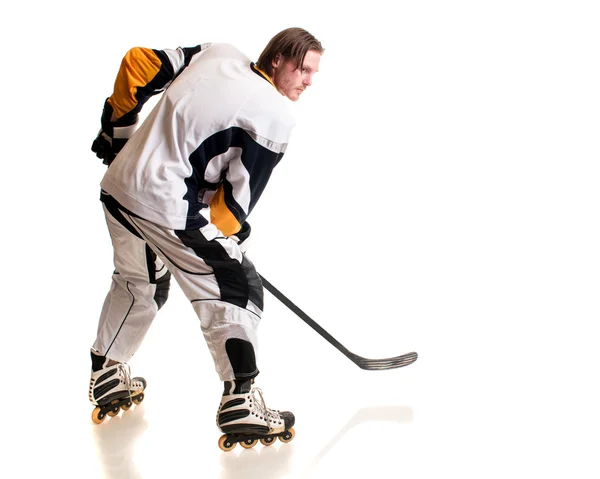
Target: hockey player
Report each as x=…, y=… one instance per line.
x=176, y=197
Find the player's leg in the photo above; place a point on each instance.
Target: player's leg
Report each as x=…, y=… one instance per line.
x=226, y=292
x=140, y=285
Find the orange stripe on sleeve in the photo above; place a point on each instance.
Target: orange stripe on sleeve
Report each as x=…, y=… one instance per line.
x=220, y=215
x=138, y=68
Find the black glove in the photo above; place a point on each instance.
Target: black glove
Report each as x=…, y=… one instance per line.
x=241, y=237
x=103, y=147
x=106, y=146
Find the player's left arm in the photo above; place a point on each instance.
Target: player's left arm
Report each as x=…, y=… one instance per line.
x=144, y=72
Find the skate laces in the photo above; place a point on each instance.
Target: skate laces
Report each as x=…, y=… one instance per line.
x=125, y=373
x=259, y=404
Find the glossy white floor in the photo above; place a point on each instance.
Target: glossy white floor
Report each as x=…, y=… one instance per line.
x=490, y=396
x=439, y=195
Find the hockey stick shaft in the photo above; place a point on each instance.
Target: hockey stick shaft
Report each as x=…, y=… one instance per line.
x=364, y=363
x=305, y=317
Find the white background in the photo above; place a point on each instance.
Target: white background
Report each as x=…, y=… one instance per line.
x=440, y=194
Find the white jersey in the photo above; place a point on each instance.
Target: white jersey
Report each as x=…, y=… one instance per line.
x=210, y=144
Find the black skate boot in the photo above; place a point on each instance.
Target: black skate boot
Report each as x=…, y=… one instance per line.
x=244, y=418
x=112, y=388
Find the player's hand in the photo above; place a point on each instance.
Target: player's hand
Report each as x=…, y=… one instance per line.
x=242, y=237
x=103, y=147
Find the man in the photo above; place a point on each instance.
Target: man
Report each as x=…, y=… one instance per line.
x=176, y=197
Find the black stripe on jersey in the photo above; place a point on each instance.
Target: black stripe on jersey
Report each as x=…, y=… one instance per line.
x=108, y=124
x=258, y=160
x=238, y=282
x=188, y=53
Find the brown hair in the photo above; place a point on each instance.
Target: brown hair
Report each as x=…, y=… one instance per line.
x=292, y=43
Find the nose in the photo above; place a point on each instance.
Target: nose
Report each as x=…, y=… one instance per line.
x=308, y=80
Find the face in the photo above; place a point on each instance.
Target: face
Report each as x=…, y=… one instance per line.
x=291, y=81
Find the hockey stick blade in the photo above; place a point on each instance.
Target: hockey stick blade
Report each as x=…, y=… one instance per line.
x=363, y=363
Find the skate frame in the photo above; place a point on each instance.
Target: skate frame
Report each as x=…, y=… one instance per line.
x=363, y=363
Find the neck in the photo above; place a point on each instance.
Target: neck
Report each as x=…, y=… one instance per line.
x=264, y=74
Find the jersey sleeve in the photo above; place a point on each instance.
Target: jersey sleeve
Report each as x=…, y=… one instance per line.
x=144, y=72
x=249, y=168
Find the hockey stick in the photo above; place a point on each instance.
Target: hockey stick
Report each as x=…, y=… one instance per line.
x=363, y=363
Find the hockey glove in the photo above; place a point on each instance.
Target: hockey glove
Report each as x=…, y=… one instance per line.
x=103, y=147
x=242, y=237
x=113, y=135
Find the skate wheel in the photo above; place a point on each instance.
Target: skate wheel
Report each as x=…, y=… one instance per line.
x=97, y=416
x=248, y=443
x=126, y=407
x=288, y=435
x=115, y=409
x=138, y=399
x=225, y=444
x=267, y=441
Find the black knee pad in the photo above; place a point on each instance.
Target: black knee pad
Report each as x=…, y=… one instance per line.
x=162, y=289
x=242, y=358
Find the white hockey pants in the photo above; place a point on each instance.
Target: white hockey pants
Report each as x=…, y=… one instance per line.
x=219, y=281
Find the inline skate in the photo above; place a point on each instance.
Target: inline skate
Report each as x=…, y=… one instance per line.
x=243, y=417
x=112, y=388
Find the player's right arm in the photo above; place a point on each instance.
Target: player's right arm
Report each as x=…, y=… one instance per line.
x=144, y=72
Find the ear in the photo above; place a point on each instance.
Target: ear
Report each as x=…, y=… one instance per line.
x=277, y=61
